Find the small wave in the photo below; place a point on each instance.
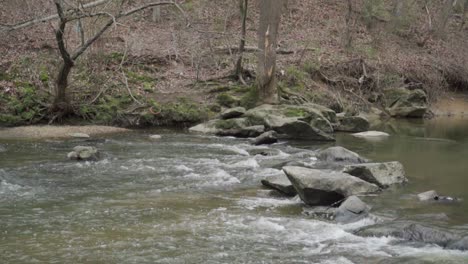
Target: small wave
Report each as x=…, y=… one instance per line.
x=256, y=202
x=234, y=149
x=248, y=163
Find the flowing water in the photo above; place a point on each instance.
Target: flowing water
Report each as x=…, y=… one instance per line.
x=197, y=199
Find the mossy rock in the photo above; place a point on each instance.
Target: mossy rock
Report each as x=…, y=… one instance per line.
x=227, y=100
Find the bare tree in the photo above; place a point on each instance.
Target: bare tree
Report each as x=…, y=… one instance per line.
x=445, y=14
x=66, y=14
x=270, y=15
x=243, y=4
x=348, y=36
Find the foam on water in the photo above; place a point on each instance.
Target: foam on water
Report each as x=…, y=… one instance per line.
x=252, y=203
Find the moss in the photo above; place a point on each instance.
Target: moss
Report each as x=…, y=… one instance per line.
x=227, y=124
x=148, y=87
x=183, y=111
x=215, y=108
x=137, y=77
x=250, y=99
x=294, y=112
x=43, y=74
x=253, y=120
x=226, y=100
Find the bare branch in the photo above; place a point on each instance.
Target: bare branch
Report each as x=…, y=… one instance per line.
x=114, y=19
x=47, y=18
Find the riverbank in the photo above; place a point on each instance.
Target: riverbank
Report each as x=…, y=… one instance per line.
x=60, y=132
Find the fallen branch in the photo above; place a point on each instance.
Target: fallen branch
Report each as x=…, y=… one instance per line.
x=235, y=49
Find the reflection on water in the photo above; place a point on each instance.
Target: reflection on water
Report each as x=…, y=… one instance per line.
x=197, y=199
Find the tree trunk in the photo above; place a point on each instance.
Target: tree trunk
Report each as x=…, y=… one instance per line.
x=444, y=17
x=61, y=102
x=270, y=14
x=243, y=9
x=348, y=36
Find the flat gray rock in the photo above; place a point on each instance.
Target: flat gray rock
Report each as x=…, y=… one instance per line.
x=383, y=174
x=280, y=183
x=233, y=112
x=371, y=134
x=352, y=210
x=316, y=187
x=339, y=154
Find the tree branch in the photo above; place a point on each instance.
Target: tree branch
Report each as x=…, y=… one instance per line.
x=113, y=20
x=24, y=24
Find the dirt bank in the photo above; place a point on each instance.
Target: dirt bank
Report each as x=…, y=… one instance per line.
x=43, y=132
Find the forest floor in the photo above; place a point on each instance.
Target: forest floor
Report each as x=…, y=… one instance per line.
x=167, y=73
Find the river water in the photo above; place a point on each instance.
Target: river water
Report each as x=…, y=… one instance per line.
x=197, y=199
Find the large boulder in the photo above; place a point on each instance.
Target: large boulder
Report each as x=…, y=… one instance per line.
x=316, y=187
x=351, y=210
x=382, y=174
x=280, y=183
x=339, y=154
x=352, y=124
x=414, y=232
x=428, y=196
x=401, y=102
x=233, y=112
x=236, y=127
x=291, y=120
x=269, y=137
x=297, y=129
x=84, y=153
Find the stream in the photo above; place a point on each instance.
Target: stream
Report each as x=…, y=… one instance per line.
x=197, y=199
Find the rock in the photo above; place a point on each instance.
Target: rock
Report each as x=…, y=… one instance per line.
x=352, y=124
x=381, y=174
x=301, y=130
x=291, y=120
x=155, y=137
x=2, y=148
x=235, y=127
x=324, y=212
x=84, y=153
x=322, y=124
x=371, y=134
x=428, y=196
x=411, y=232
x=245, y=132
x=461, y=244
x=351, y=210
x=233, y=113
x=205, y=128
x=79, y=135
x=263, y=152
x=281, y=184
x=401, y=102
x=339, y=154
x=269, y=137
x=317, y=187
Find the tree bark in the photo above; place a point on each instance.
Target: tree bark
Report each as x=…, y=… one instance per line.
x=243, y=9
x=270, y=15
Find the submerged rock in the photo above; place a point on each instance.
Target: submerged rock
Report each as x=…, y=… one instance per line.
x=233, y=113
x=413, y=232
x=155, y=137
x=352, y=124
x=383, y=174
x=339, y=154
x=316, y=187
x=401, y=102
x=371, y=134
x=79, y=135
x=461, y=244
x=84, y=153
x=280, y=183
x=269, y=137
x=351, y=210
x=2, y=148
x=433, y=196
x=428, y=196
